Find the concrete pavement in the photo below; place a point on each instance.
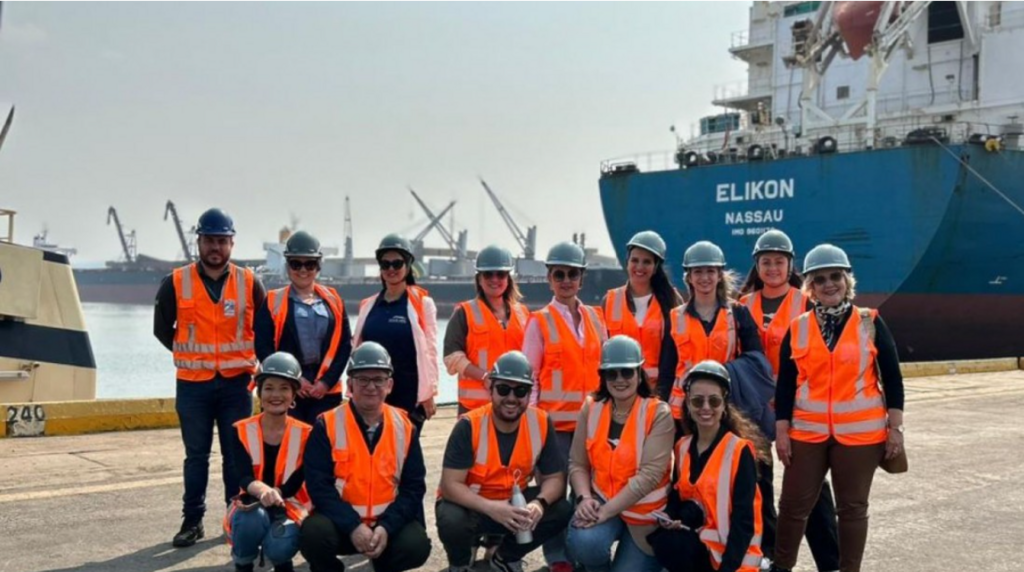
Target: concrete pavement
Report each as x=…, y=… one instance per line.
x=111, y=502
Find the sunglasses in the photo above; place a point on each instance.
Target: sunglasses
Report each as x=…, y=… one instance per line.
x=310, y=265
x=625, y=373
x=821, y=279
x=392, y=264
x=492, y=274
x=561, y=275
x=714, y=401
x=521, y=391
x=365, y=382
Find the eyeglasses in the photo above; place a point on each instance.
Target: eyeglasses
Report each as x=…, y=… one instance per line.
x=625, y=373
x=492, y=274
x=310, y=265
x=521, y=391
x=561, y=275
x=697, y=401
x=365, y=382
x=821, y=279
x=389, y=264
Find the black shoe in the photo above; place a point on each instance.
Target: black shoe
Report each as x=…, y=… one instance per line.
x=188, y=535
x=245, y=567
x=285, y=567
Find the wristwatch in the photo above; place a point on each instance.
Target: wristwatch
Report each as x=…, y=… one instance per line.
x=581, y=498
x=899, y=428
x=542, y=502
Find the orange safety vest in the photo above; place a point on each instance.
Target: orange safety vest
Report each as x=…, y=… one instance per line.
x=289, y=459
x=713, y=492
x=277, y=301
x=368, y=482
x=837, y=392
x=694, y=346
x=649, y=334
x=488, y=477
x=568, y=371
x=611, y=468
x=772, y=334
x=213, y=338
x=486, y=341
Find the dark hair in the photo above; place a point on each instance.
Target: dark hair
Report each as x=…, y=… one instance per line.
x=410, y=280
x=753, y=283
x=642, y=390
x=661, y=286
x=734, y=420
x=511, y=293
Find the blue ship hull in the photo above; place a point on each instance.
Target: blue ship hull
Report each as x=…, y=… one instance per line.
x=934, y=248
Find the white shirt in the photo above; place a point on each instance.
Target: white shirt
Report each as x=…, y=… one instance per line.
x=641, y=303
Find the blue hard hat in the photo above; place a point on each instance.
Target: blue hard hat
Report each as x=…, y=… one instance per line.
x=215, y=222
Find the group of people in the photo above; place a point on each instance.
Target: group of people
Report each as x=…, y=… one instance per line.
x=657, y=413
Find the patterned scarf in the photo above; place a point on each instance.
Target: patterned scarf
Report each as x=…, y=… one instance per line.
x=829, y=318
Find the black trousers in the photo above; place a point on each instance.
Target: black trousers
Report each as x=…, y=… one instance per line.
x=321, y=543
x=459, y=529
x=680, y=551
x=821, y=533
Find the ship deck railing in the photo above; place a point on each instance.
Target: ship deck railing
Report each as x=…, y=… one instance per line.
x=779, y=143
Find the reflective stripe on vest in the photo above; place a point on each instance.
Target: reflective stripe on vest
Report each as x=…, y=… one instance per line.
x=694, y=346
x=277, y=300
x=713, y=493
x=856, y=419
x=649, y=334
x=774, y=331
x=289, y=460
x=352, y=454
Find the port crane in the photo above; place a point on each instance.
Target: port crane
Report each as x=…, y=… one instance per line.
x=457, y=245
x=7, y=127
x=185, y=246
x=527, y=242
x=128, y=244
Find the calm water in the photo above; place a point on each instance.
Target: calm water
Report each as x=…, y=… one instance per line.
x=131, y=363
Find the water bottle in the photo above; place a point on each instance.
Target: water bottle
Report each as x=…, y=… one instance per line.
x=518, y=500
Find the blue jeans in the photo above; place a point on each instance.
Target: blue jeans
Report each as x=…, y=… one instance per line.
x=252, y=529
x=592, y=548
x=200, y=405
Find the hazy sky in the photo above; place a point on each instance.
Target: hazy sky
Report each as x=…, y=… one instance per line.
x=279, y=110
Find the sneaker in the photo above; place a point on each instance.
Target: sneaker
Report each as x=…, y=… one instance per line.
x=561, y=567
x=188, y=535
x=499, y=564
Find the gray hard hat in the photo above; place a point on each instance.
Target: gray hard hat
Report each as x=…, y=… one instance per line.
x=621, y=351
x=303, y=244
x=703, y=253
x=494, y=258
x=566, y=254
x=649, y=241
x=773, y=240
x=369, y=355
x=826, y=256
x=708, y=369
x=514, y=367
x=396, y=242
x=283, y=365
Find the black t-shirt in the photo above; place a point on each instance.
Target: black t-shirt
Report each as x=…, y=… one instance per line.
x=768, y=307
x=243, y=466
x=458, y=454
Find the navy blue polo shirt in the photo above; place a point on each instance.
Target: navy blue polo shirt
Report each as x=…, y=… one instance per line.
x=388, y=325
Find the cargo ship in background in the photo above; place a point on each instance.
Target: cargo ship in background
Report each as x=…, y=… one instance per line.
x=447, y=273
x=891, y=129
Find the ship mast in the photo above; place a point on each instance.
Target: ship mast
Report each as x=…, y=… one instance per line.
x=170, y=210
x=349, y=261
x=127, y=241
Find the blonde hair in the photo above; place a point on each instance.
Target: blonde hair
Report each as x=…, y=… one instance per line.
x=726, y=289
x=851, y=284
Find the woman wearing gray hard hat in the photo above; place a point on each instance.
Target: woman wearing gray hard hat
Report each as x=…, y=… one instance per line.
x=839, y=408
x=403, y=319
x=272, y=503
x=640, y=309
x=710, y=326
x=484, y=328
x=309, y=321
